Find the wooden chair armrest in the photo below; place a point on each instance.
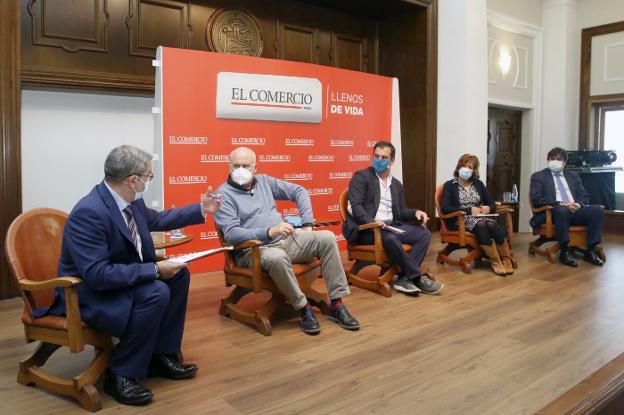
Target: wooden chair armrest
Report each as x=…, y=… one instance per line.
x=541, y=209
x=251, y=243
x=505, y=210
x=63, y=282
x=370, y=225
x=455, y=214
x=379, y=250
x=72, y=310
x=256, y=276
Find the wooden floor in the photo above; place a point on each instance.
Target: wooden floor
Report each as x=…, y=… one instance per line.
x=487, y=345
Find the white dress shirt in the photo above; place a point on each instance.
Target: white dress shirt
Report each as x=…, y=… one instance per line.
x=384, y=212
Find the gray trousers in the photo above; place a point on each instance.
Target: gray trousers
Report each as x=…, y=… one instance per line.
x=277, y=259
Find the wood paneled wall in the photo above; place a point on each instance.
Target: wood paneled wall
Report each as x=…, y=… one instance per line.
x=108, y=45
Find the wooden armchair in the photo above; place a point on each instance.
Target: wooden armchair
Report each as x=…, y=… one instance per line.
x=255, y=280
x=463, y=239
x=546, y=233
x=33, y=246
x=365, y=255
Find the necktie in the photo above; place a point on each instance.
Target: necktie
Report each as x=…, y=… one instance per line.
x=134, y=231
x=561, y=187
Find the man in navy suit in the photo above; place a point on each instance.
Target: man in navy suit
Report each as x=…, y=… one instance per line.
x=375, y=195
x=125, y=291
x=564, y=191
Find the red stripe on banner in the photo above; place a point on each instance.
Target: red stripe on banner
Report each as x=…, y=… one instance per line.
x=266, y=105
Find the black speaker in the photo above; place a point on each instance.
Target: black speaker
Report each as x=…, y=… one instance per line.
x=591, y=158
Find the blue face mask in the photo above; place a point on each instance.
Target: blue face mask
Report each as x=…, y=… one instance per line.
x=380, y=165
x=465, y=173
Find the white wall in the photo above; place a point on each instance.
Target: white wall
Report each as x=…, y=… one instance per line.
x=561, y=68
x=66, y=137
x=462, y=83
x=598, y=12
x=529, y=11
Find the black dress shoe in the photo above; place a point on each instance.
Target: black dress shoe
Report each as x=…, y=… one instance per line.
x=165, y=367
x=342, y=316
x=592, y=257
x=566, y=259
x=309, y=323
x=126, y=391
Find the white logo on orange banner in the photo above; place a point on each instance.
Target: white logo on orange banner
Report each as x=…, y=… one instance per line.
x=321, y=157
x=321, y=191
x=204, y=236
x=274, y=158
x=359, y=157
x=371, y=143
x=340, y=237
x=215, y=158
x=290, y=212
x=246, y=96
x=185, y=139
x=248, y=141
x=299, y=142
x=333, y=208
x=298, y=177
x=334, y=142
x=187, y=179
x=340, y=175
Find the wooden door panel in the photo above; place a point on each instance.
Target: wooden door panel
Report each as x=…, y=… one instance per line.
x=298, y=43
x=349, y=52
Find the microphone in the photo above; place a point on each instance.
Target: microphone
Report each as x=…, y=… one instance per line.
x=251, y=192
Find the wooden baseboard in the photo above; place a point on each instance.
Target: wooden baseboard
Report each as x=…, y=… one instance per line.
x=601, y=393
x=614, y=221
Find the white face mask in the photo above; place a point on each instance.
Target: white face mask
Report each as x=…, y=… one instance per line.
x=555, y=166
x=241, y=176
x=465, y=173
x=146, y=185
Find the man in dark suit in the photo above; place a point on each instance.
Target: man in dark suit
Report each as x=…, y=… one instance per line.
x=564, y=191
x=374, y=195
x=125, y=291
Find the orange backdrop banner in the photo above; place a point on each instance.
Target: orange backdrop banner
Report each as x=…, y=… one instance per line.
x=308, y=124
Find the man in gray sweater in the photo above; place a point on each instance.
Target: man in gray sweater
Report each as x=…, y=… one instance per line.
x=248, y=211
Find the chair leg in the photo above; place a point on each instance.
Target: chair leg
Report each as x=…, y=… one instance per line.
x=444, y=256
x=261, y=318
x=317, y=299
x=380, y=284
x=80, y=387
x=550, y=252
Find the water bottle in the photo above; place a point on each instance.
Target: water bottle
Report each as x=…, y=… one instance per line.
x=514, y=193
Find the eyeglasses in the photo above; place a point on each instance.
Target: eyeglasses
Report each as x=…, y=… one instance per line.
x=378, y=157
x=149, y=176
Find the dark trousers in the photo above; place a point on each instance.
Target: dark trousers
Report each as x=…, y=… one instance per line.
x=591, y=216
x=156, y=325
x=487, y=230
x=416, y=236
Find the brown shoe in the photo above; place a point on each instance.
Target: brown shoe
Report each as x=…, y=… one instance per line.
x=505, y=255
x=495, y=261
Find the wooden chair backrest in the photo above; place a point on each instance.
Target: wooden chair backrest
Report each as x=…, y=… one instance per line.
x=438, y=201
x=33, y=248
x=344, y=203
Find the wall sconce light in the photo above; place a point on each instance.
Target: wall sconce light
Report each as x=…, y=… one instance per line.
x=504, y=61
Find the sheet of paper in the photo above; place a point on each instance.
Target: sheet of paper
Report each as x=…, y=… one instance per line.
x=484, y=215
x=196, y=255
x=394, y=230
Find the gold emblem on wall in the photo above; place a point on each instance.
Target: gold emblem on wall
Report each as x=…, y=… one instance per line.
x=235, y=32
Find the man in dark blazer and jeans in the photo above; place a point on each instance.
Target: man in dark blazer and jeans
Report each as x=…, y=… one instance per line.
x=563, y=190
x=374, y=195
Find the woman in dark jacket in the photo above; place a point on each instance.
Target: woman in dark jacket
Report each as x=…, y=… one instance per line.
x=467, y=193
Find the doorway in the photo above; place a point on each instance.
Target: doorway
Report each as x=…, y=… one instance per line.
x=503, y=153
